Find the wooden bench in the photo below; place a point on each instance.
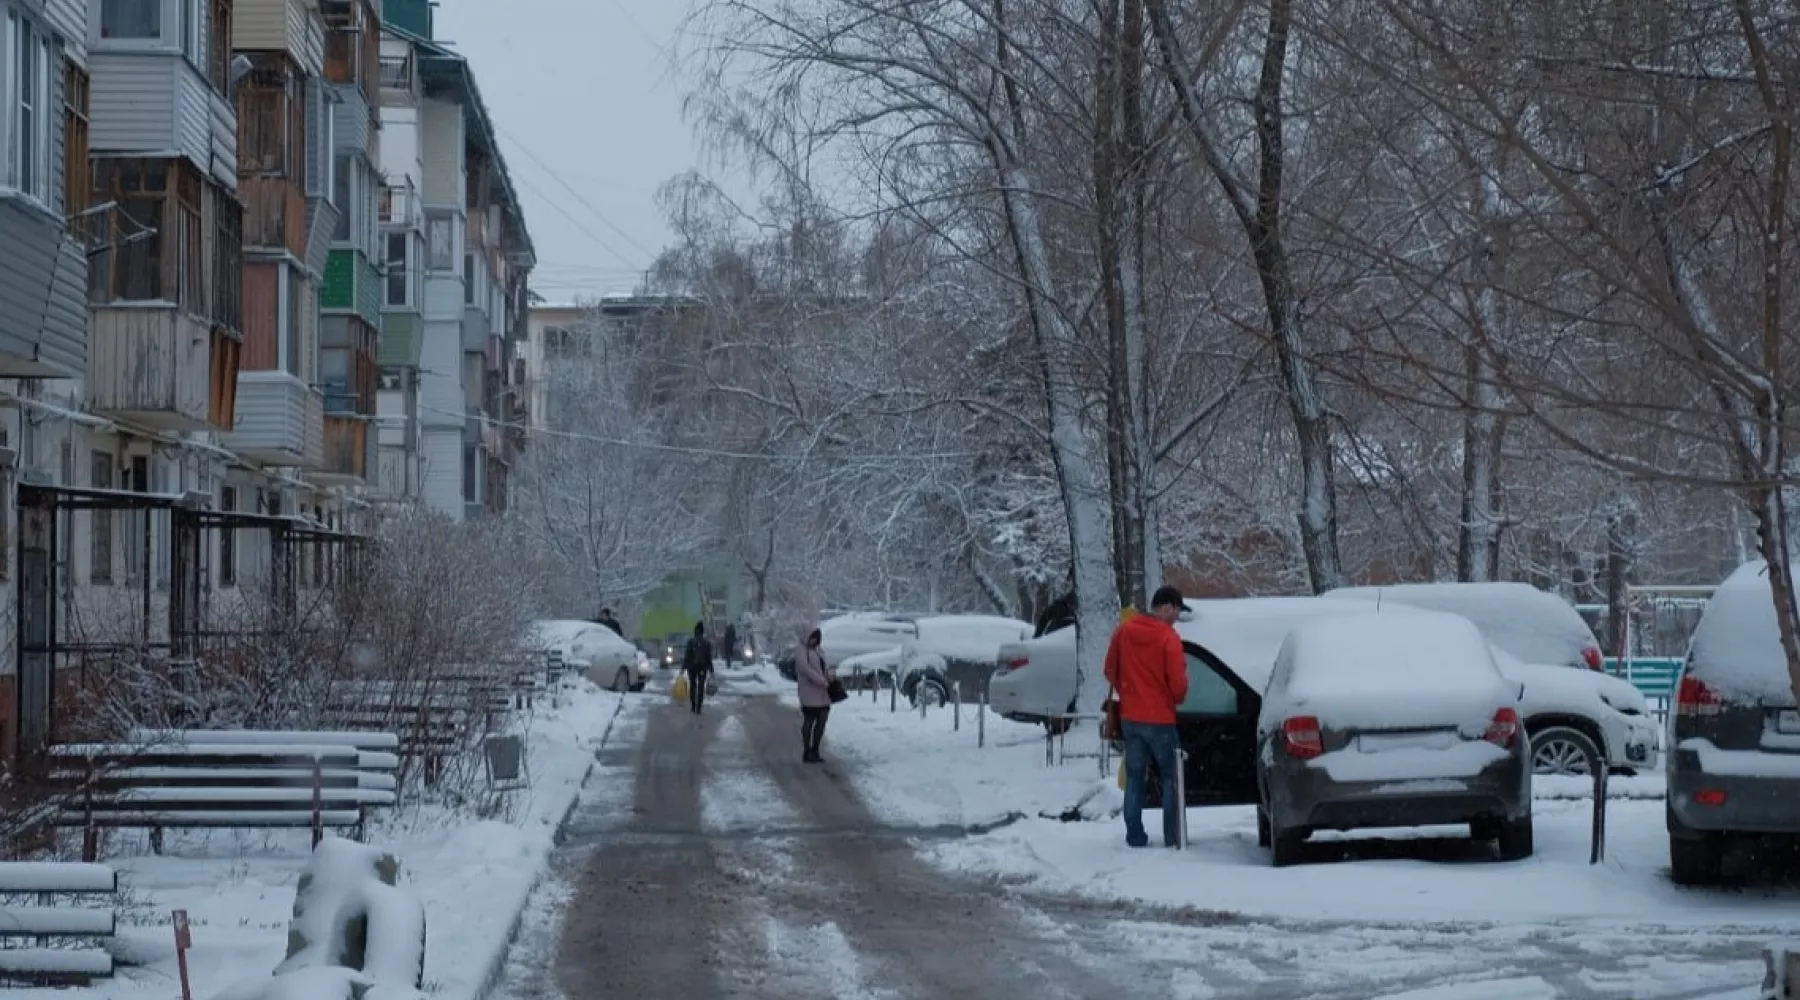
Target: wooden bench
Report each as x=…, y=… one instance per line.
x=30, y=911
x=222, y=780
x=433, y=720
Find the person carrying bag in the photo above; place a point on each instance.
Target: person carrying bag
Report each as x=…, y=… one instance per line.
x=819, y=689
x=697, y=665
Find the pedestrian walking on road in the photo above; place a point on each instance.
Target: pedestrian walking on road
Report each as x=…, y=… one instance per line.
x=730, y=644
x=814, y=680
x=697, y=663
x=1147, y=668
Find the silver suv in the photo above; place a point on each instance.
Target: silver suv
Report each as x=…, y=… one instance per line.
x=1734, y=737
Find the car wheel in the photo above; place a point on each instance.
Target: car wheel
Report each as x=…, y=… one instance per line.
x=1262, y=828
x=1563, y=750
x=930, y=691
x=1696, y=861
x=1516, y=840
x=1285, y=846
x=622, y=681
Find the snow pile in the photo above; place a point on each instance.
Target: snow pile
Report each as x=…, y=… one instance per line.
x=972, y=638
x=1388, y=672
x=1246, y=633
x=1737, y=647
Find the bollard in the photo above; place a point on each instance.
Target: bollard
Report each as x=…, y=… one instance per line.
x=919, y=696
x=1049, y=748
x=956, y=707
x=1181, y=840
x=981, y=720
x=1105, y=754
x=1597, y=848
x=893, y=694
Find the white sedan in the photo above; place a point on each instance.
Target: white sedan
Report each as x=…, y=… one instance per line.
x=595, y=650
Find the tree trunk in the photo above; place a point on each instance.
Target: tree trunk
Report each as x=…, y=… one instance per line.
x=1478, y=533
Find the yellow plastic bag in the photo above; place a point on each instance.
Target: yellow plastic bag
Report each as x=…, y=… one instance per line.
x=680, y=690
x=1121, y=774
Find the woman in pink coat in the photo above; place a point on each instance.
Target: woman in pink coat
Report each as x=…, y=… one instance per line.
x=814, y=680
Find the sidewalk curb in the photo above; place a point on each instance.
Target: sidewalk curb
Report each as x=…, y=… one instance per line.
x=490, y=977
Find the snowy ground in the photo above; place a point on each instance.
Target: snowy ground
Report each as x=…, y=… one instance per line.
x=238, y=888
x=1381, y=909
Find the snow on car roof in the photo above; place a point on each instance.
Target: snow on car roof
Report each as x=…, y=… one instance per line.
x=1389, y=671
x=976, y=638
x=1246, y=633
x=1737, y=647
x=1531, y=624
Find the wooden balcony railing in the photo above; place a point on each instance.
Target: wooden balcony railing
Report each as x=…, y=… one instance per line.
x=274, y=214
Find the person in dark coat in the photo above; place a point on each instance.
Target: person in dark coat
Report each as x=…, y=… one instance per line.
x=606, y=618
x=697, y=663
x=730, y=644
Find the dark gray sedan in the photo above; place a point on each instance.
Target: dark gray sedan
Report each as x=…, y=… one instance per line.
x=1396, y=719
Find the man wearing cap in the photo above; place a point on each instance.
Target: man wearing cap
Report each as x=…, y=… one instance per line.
x=1148, y=669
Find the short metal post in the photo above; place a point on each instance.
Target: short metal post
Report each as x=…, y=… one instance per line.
x=956, y=707
x=1049, y=748
x=1181, y=840
x=981, y=720
x=1597, y=850
x=1105, y=753
x=919, y=696
x=893, y=694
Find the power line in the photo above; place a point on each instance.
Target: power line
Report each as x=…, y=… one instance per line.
x=573, y=192
x=634, y=266
x=683, y=449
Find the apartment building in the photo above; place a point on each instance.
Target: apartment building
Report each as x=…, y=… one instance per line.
x=458, y=259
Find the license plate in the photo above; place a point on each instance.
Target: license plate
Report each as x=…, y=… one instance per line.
x=1378, y=742
x=1788, y=721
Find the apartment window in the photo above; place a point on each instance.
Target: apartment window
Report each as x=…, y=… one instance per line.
x=218, y=47
x=228, y=562
x=290, y=321
x=341, y=192
x=470, y=279
x=100, y=537
x=137, y=522
x=471, y=481
x=78, y=173
x=27, y=61
x=399, y=279
x=131, y=19
x=190, y=31
x=440, y=240
x=192, y=236
x=228, y=262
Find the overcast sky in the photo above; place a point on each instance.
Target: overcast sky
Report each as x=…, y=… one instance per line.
x=584, y=94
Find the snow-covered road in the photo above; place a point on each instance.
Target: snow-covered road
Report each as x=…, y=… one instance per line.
x=707, y=861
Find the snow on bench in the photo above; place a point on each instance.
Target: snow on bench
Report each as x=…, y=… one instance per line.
x=81, y=924
x=223, y=780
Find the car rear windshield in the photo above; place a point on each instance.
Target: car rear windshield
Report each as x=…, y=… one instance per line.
x=1737, y=649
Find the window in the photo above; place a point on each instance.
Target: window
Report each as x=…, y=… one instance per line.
x=137, y=523
x=470, y=457
x=1209, y=693
x=192, y=236
x=78, y=173
x=228, y=563
x=440, y=240
x=6, y=497
x=399, y=282
x=27, y=61
x=470, y=279
x=100, y=538
x=190, y=31
x=341, y=192
x=218, y=47
x=228, y=262
x=131, y=19
x=291, y=288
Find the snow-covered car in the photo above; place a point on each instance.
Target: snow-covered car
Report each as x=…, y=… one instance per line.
x=595, y=650
x=1390, y=720
x=1734, y=737
x=1035, y=682
x=934, y=655
x=1570, y=706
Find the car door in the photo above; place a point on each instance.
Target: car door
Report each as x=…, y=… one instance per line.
x=1217, y=725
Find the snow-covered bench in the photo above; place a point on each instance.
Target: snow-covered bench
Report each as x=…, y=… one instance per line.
x=222, y=780
x=31, y=919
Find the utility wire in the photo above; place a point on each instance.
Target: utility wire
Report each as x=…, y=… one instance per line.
x=635, y=267
x=684, y=449
x=573, y=191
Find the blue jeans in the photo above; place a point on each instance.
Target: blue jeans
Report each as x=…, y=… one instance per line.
x=1143, y=741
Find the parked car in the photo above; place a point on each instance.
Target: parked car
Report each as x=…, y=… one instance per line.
x=945, y=654
x=595, y=650
x=1734, y=757
x=1391, y=720
x=1570, y=707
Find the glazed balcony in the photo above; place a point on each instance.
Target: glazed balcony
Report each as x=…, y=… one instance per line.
x=348, y=443
x=275, y=215
x=280, y=421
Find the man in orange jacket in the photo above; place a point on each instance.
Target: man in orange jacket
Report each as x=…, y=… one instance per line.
x=1147, y=668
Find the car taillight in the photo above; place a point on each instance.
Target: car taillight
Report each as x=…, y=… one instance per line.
x=1504, y=730
x=1303, y=738
x=1591, y=656
x=1017, y=662
x=1694, y=698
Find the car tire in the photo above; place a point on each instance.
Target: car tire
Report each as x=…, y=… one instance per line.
x=1285, y=846
x=1696, y=861
x=933, y=690
x=1564, y=750
x=622, y=681
x=1516, y=840
x=1262, y=828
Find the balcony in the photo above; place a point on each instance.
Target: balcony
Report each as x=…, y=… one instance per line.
x=411, y=16
x=348, y=442
x=280, y=421
x=43, y=307
x=400, y=206
x=352, y=284
x=279, y=25
x=275, y=216
x=157, y=366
